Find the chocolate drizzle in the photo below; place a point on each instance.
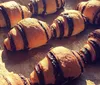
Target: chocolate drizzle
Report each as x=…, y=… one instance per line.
x=96, y=48
x=78, y=62
x=6, y=17
x=96, y=17
x=61, y=28
x=8, y=82
x=47, y=36
x=40, y=75
x=84, y=7
x=87, y=54
x=12, y=44
x=24, y=37
x=23, y=79
x=57, y=4
x=21, y=11
x=70, y=24
x=44, y=7
x=35, y=5
x=54, y=32
x=59, y=76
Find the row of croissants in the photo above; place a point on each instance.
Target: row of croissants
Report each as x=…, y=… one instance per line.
x=25, y=34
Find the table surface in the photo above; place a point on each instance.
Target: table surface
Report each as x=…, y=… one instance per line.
x=23, y=62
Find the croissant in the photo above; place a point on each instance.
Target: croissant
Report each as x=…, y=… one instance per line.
x=68, y=23
x=13, y=79
x=44, y=6
x=57, y=67
x=28, y=33
x=12, y=12
x=91, y=9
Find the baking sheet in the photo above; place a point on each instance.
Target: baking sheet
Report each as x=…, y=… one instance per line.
x=23, y=62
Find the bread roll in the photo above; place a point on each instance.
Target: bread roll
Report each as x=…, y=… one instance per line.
x=27, y=34
x=91, y=9
x=45, y=7
x=57, y=67
x=69, y=23
x=12, y=12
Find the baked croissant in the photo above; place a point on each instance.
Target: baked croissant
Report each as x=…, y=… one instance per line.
x=68, y=23
x=62, y=65
x=12, y=12
x=91, y=9
x=28, y=33
x=57, y=67
x=13, y=79
x=45, y=7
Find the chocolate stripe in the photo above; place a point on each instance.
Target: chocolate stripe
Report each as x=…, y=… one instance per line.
x=59, y=76
x=96, y=48
x=61, y=3
x=87, y=55
x=44, y=6
x=21, y=11
x=23, y=34
x=78, y=62
x=40, y=75
x=35, y=5
x=8, y=82
x=6, y=17
x=57, y=4
x=61, y=28
x=47, y=36
x=96, y=17
x=84, y=7
x=70, y=24
x=54, y=32
x=23, y=79
x=84, y=61
x=12, y=44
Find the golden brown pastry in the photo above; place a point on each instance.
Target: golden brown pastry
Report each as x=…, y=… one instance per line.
x=69, y=23
x=45, y=7
x=13, y=79
x=57, y=67
x=91, y=9
x=91, y=50
x=27, y=34
x=12, y=12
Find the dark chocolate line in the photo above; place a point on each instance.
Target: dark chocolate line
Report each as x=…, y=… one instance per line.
x=12, y=44
x=8, y=82
x=61, y=3
x=22, y=12
x=23, y=79
x=35, y=5
x=70, y=24
x=82, y=70
x=86, y=22
x=23, y=35
x=6, y=17
x=47, y=36
x=44, y=7
x=59, y=76
x=84, y=61
x=96, y=17
x=84, y=7
x=57, y=4
x=61, y=28
x=96, y=48
x=40, y=74
x=87, y=54
x=54, y=32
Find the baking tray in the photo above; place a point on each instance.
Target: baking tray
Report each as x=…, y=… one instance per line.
x=23, y=61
